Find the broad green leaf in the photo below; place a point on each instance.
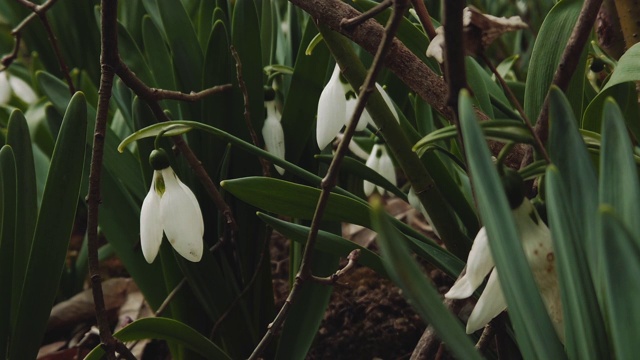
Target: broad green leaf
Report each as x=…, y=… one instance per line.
x=476, y=77
x=165, y=329
x=620, y=254
x=406, y=273
x=326, y=242
x=557, y=25
x=26, y=198
x=534, y=332
x=585, y=336
x=619, y=186
x=52, y=231
x=500, y=130
x=569, y=154
x=8, y=213
x=628, y=68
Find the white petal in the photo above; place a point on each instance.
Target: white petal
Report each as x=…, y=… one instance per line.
x=331, y=110
x=388, y=101
x=385, y=168
x=182, y=218
x=365, y=118
x=150, y=224
x=490, y=304
x=273, y=134
x=5, y=88
x=479, y=263
x=22, y=90
x=372, y=163
x=435, y=49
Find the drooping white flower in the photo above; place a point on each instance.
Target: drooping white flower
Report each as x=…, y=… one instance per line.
x=272, y=132
x=380, y=161
x=14, y=85
x=170, y=206
x=538, y=247
x=336, y=106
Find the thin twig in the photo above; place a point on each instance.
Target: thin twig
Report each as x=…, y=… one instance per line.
x=514, y=101
x=357, y=20
x=266, y=171
x=488, y=334
x=162, y=94
x=41, y=12
x=9, y=58
x=425, y=19
x=108, y=59
x=333, y=279
x=566, y=67
x=329, y=181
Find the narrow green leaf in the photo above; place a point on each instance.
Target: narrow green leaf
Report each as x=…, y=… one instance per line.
x=569, y=154
x=26, y=196
x=534, y=331
x=52, y=232
x=584, y=326
x=627, y=98
x=628, y=68
x=620, y=266
x=165, y=329
x=8, y=187
x=557, y=25
x=619, y=186
x=326, y=242
x=406, y=273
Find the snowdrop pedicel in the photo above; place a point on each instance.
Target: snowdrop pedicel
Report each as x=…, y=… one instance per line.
x=170, y=207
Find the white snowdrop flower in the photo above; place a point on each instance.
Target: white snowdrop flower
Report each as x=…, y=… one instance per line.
x=336, y=107
x=538, y=247
x=170, y=206
x=14, y=85
x=272, y=133
x=380, y=161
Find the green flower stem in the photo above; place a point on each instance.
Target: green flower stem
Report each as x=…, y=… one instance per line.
x=439, y=210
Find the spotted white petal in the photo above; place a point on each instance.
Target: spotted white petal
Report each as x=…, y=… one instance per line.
x=150, y=223
x=490, y=304
x=479, y=264
x=385, y=168
x=5, y=88
x=182, y=218
x=331, y=110
x=273, y=134
x=22, y=90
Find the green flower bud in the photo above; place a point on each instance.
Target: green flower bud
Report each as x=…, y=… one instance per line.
x=159, y=159
x=513, y=187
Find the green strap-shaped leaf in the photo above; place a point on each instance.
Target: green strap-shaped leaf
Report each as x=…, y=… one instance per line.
x=569, y=154
x=620, y=269
x=52, y=232
x=26, y=190
x=557, y=25
x=327, y=242
x=8, y=192
x=628, y=68
x=619, y=185
x=165, y=329
x=406, y=273
x=534, y=331
x=585, y=336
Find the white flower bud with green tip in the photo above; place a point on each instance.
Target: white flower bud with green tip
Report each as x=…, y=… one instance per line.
x=380, y=161
x=538, y=248
x=170, y=206
x=273, y=134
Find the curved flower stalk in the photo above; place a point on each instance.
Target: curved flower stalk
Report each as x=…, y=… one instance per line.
x=272, y=133
x=336, y=106
x=14, y=85
x=170, y=206
x=380, y=161
x=538, y=247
